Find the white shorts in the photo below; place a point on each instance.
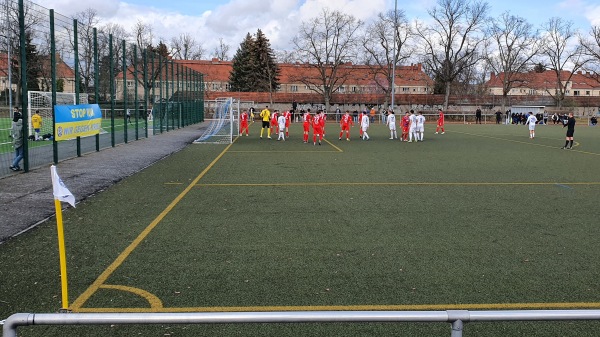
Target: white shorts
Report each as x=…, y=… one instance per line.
x=420, y=128
x=412, y=130
x=392, y=127
x=364, y=128
x=531, y=127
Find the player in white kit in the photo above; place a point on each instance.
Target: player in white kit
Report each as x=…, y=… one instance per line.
x=420, y=130
x=391, y=123
x=364, y=126
x=531, y=120
x=281, y=120
x=412, y=126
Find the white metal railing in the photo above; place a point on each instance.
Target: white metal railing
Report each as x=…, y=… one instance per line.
x=455, y=317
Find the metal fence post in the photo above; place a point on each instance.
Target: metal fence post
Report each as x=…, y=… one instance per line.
x=77, y=80
x=124, y=66
x=96, y=80
x=53, y=79
x=112, y=90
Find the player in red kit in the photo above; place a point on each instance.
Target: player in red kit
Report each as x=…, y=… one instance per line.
x=274, y=121
x=440, y=122
x=405, y=123
x=288, y=118
x=317, y=123
x=306, y=122
x=244, y=122
x=346, y=122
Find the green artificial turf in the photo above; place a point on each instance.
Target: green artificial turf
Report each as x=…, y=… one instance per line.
x=479, y=216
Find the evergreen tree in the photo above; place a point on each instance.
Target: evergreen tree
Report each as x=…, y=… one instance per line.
x=33, y=65
x=241, y=76
x=266, y=68
x=254, y=67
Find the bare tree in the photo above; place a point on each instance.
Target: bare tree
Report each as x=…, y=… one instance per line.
x=285, y=56
x=382, y=49
x=591, y=48
x=143, y=34
x=185, y=47
x=452, y=43
x=32, y=18
x=118, y=34
x=510, y=51
x=221, y=51
x=558, y=36
x=326, y=43
x=87, y=20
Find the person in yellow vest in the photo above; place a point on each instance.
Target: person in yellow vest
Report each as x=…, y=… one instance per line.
x=265, y=115
x=36, y=123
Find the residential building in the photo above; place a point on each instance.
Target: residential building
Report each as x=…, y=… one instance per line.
x=545, y=83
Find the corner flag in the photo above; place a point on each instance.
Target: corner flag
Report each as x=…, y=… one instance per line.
x=61, y=192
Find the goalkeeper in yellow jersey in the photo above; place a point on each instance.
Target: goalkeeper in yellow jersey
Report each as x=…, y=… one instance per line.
x=36, y=123
x=265, y=114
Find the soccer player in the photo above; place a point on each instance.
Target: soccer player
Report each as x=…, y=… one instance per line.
x=405, y=123
x=412, y=126
x=317, y=123
x=36, y=123
x=440, y=122
x=570, y=124
x=306, y=121
x=364, y=126
x=281, y=126
x=244, y=122
x=346, y=122
x=265, y=114
x=274, y=121
x=420, y=131
x=391, y=123
x=288, y=119
x=531, y=120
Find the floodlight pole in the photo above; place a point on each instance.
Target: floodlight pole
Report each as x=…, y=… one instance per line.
x=394, y=51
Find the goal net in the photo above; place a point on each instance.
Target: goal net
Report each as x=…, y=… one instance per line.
x=42, y=101
x=223, y=117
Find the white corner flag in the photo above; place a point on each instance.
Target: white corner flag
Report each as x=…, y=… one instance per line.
x=61, y=192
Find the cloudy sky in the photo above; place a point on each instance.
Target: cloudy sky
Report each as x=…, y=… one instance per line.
x=209, y=20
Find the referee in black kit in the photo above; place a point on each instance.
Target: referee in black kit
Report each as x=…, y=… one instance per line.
x=570, y=124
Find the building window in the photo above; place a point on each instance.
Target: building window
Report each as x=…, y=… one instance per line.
x=278, y=87
x=215, y=86
x=405, y=89
x=341, y=89
x=354, y=89
x=129, y=84
x=587, y=92
x=227, y=86
x=575, y=92
x=294, y=88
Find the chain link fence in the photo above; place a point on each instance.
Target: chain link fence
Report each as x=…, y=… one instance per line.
x=48, y=59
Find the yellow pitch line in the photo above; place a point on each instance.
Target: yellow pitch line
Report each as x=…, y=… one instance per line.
x=330, y=143
x=303, y=151
x=78, y=303
x=404, y=184
x=153, y=300
x=408, y=307
x=528, y=143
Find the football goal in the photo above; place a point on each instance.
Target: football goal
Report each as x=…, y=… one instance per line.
x=223, y=117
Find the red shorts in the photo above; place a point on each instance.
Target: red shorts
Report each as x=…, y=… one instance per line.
x=244, y=125
x=405, y=129
x=440, y=123
x=345, y=127
x=287, y=124
x=317, y=130
x=306, y=127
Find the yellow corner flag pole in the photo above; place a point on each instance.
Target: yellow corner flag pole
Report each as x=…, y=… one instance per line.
x=61, y=193
x=63, y=255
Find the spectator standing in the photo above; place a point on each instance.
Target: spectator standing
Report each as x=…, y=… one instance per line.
x=17, y=135
x=478, y=116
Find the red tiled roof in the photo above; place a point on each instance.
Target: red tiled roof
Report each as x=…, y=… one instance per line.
x=547, y=79
x=218, y=71
x=62, y=69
